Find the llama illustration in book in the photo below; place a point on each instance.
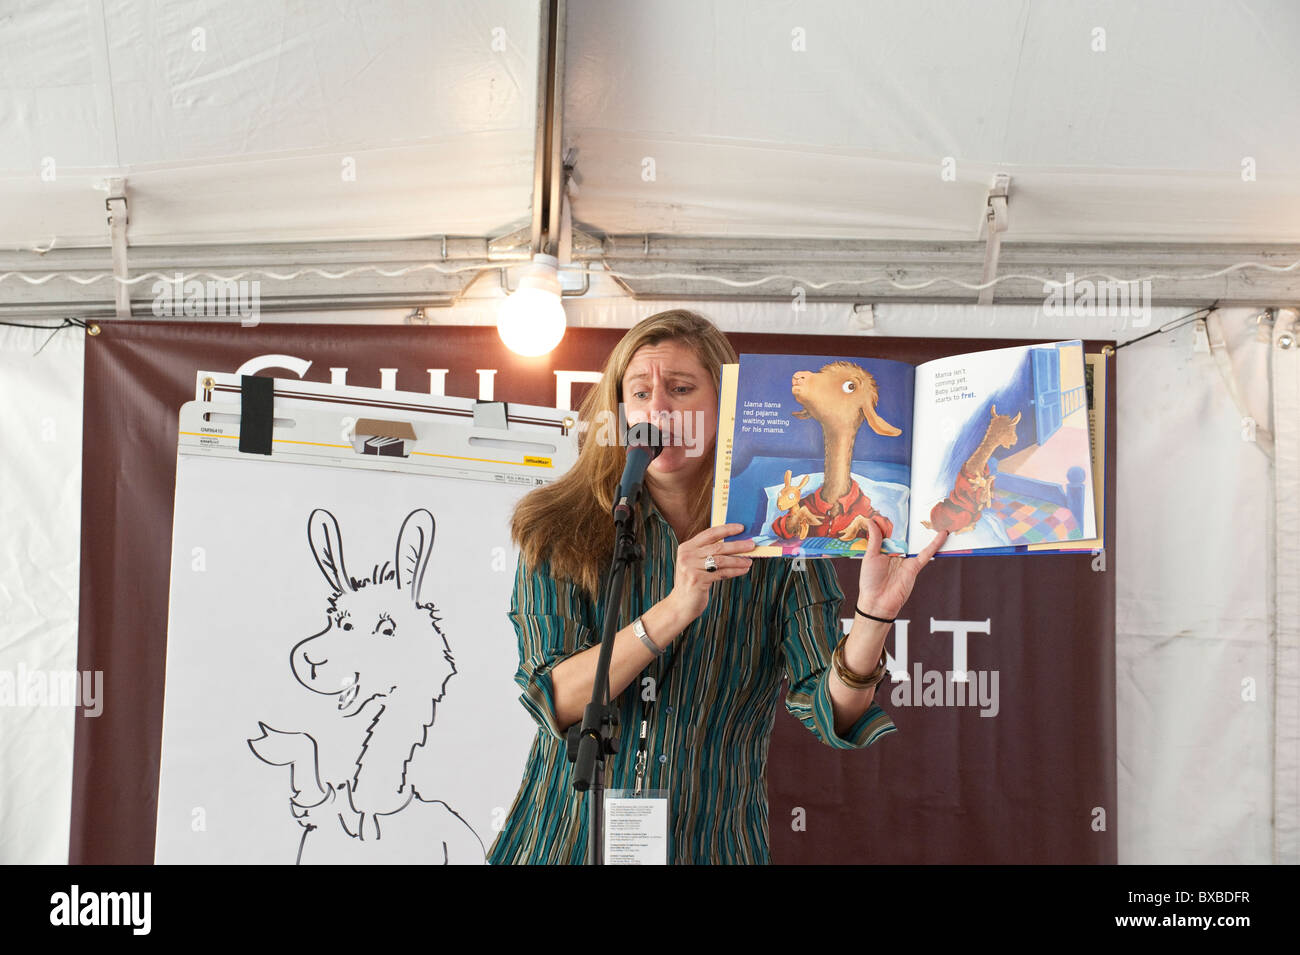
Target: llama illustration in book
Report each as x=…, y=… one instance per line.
x=973, y=491
x=381, y=654
x=841, y=398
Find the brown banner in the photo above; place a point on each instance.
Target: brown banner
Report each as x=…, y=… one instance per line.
x=1030, y=781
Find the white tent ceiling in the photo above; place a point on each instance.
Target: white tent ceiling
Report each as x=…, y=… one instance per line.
x=232, y=121
x=834, y=119
x=1137, y=127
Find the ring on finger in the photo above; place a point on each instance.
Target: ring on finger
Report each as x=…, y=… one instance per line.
x=711, y=564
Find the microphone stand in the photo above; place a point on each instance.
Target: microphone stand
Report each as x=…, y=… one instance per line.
x=589, y=743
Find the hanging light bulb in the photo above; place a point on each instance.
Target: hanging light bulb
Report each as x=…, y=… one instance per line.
x=531, y=320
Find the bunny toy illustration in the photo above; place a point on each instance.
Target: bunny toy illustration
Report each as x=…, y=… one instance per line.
x=797, y=517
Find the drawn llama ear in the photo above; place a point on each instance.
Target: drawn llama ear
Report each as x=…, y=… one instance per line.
x=787, y=479
x=993, y=411
x=1016, y=419
x=802, y=482
x=414, y=545
x=327, y=545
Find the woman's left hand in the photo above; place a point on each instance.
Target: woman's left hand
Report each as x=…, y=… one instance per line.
x=885, y=581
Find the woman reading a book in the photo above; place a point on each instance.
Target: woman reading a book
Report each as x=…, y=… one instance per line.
x=696, y=670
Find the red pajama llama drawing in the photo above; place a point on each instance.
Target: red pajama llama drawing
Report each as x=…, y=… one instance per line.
x=841, y=398
x=973, y=490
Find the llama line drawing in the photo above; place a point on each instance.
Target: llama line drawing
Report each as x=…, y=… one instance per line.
x=384, y=658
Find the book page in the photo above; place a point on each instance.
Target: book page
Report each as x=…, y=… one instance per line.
x=1094, y=370
x=1002, y=455
x=813, y=448
x=725, y=443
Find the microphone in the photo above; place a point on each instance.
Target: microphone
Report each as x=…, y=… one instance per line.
x=644, y=445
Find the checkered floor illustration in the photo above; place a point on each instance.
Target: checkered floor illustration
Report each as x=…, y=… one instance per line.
x=1031, y=521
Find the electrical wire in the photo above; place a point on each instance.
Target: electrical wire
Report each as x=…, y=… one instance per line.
x=284, y=277
x=1169, y=326
x=972, y=286
x=54, y=329
x=685, y=276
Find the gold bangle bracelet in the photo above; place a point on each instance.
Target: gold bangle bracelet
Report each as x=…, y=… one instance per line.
x=856, y=681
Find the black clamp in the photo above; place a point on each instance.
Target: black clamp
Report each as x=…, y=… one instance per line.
x=256, y=414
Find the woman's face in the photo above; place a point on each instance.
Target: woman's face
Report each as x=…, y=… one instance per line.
x=666, y=385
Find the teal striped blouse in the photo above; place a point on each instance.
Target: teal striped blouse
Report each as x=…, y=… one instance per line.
x=710, y=725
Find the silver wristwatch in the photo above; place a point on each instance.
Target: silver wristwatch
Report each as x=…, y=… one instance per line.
x=639, y=629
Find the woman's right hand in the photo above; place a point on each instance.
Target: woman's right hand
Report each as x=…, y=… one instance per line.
x=691, y=581
x=572, y=678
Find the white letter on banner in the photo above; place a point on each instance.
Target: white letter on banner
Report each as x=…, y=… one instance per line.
x=959, y=629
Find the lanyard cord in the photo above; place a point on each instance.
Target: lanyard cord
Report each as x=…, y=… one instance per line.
x=648, y=705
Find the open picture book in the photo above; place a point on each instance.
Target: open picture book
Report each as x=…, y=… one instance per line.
x=992, y=446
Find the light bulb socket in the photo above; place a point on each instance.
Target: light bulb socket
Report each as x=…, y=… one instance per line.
x=543, y=274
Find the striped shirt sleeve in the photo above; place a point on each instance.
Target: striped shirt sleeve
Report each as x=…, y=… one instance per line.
x=553, y=620
x=812, y=629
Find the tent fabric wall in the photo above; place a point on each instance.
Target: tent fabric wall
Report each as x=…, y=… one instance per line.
x=1286, y=749
x=40, y=553
x=1194, y=625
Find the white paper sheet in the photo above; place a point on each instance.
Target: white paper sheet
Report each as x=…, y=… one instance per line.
x=249, y=590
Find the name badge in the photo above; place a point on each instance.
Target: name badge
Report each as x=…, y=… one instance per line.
x=636, y=827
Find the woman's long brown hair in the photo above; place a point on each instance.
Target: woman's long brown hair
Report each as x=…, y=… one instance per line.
x=568, y=522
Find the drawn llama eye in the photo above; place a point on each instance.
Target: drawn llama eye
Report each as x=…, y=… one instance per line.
x=850, y=387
